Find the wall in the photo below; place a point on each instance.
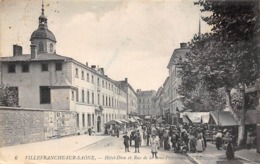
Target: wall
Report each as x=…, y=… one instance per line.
x=28, y=83
x=20, y=125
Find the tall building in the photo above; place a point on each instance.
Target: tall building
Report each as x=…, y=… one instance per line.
x=45, y=80
x=175, y=100
x=146, y=102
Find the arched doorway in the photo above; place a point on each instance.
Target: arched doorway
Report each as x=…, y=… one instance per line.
x=98, y=124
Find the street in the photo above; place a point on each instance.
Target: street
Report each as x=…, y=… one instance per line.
x=84, y=148
x=111, y=150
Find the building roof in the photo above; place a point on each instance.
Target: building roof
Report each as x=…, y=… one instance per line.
x=43, y=33
x=40, y=57
x=177, y=54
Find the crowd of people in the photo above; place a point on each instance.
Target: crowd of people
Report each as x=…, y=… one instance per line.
x=179, y=139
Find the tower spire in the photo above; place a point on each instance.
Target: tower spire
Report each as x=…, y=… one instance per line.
x=42, y=7
x=42, y=18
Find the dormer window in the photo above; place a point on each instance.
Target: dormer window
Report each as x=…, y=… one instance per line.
x=40, y=46
x=51, y=47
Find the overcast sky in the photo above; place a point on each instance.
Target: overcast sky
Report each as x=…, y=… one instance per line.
x=133, y=39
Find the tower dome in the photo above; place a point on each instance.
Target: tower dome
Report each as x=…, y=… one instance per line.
x=43, y=37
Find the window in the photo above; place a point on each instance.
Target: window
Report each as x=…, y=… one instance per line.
x=98, y=81
x=103, y=83
x=51, y=47
x=98, y=100
x=45, y=95
x=106, y=84
x=89, y=120
x=109, y=101
x=13, y=94
x=92, y=79
x=83, y=120
x=58, y=66
x=87, y=77
x=44, y=67
x=82, y=75
x=93, y=101
x=77, y=95
x=77, y=120
x=83, y=95
x=11, y=68
x=103, y=100
x=88, y=97
x=109, y=86
x=72, y=95
x=41, y=46
x=106, y=100
x=25, y=67
x=93, y=121
x=76, y=72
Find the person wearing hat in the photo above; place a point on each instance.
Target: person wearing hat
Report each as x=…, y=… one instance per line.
x=137, y=140
x=219, y=140
x=154, y=142
x=126, y=142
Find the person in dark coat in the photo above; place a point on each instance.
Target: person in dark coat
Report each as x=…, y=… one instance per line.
x=126, y=142
x=230, y=153
x=117, y=132
x=132, y=137
x=137, y=142
x=148, y=138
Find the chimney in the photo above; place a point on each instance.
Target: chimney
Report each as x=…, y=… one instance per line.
x=33, y=51
x=93, y=66
x=17, y=50
x=102, y=70
x=183, y=45
x=87, y=64
x=126, y=80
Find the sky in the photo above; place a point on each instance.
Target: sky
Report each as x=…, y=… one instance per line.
x=131, y=39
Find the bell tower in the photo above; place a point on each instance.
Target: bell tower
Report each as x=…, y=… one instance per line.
x=43, y=38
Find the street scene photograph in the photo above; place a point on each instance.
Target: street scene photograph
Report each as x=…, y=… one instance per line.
x=130, y=81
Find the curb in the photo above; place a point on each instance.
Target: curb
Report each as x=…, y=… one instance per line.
x=248, y=160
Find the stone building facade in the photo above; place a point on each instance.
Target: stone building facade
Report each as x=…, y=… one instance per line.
x=46, y=80
x=146, y=103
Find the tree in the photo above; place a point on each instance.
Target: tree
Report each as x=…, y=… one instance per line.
x=8, y=96
x=225, y=57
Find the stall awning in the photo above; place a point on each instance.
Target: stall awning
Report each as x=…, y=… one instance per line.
x=147, y=117
x=114, y=122
x=194, y=117
x=185, y=119
x=136, y=117
x=222, y=118
x=251, y=116
x=125, y=121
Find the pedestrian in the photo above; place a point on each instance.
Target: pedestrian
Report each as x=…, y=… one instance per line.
x=148, y=138
x=174, y=140
x=117, y=132
x=154, y=142
x=132, y=137
x=89, y=131
x=137, y=141
x=199, y=144
x=230, y=153
x=192, y=143
x=166, y=140
x=144, y=142
x=126, y=142
x=249, y=138
x=219, y=140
